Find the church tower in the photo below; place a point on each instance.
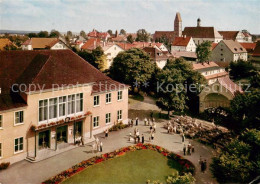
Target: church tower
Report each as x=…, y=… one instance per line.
x=177, y=25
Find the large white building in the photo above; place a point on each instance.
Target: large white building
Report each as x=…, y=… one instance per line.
x=185, y=43
x=44, y=43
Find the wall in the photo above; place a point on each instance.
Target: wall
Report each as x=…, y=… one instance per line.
x=58, y=46
x=111, y=53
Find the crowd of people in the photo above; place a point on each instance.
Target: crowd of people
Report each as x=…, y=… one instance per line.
x=97, y=146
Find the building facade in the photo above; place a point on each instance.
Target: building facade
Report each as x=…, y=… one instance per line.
x=48, y=110
x=44, y=43
x=183, y=44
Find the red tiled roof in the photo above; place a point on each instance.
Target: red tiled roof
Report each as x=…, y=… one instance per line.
x=230, y=85
x=198, y=66
x=91, y=44
x=249, y=46
x=221, y=74
x=4, y=42
x=178, y=54
x=213, y=45
x=181, y=41
x=41, y=43
x=168, y=34
x=97, y=34
x=229, y=35
x=155, y=54
x=201, y=32
x=11, y=101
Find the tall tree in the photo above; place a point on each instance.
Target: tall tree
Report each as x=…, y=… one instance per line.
x=110, y=31
x=241, y=69
x=32, y=35
x=142, y=35
x=122, y=32
x=54, y=33
x=203, y=51
x=132, y=67
x=83, y=34
x=130, y=38
x=174, y=82
x=95, y=58
x=43, y=34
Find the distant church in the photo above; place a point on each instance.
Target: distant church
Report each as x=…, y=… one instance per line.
x=198, y=33
x=170, y=35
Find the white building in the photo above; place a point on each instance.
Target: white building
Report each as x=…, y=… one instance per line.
x=183, y=44
x=111, y=51
x=239, y=36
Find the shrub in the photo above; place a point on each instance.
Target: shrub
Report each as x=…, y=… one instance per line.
x=118, y=126
x=4, y=165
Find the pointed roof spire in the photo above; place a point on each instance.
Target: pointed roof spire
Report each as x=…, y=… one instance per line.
x=178, y=17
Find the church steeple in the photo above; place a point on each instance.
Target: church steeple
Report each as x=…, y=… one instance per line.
x=198, y=22
x=177, y=25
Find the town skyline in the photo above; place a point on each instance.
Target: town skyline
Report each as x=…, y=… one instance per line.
x=131, y=16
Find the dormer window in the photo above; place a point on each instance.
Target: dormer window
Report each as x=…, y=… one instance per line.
x=235, y=49
x=241, y=49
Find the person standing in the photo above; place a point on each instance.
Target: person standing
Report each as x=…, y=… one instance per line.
x=183, y=137
x=101, y=146
x=136, y=121
x=151, y=115
x=142, y=138
x=192, y=149
x=205, y=165
x=93, y=147
x=145, y=121
x=106, y=133
x=152, y=136
x=132, y=122
x=184, y=149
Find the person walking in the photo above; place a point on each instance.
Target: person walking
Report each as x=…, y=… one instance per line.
x=145, y=121
x=184, y=149
x=138, y=139
x=154, y=128
x=132, y=122
x=205, y=165
x=136, y=121
x=101, y=146
x=152, y=136
x=192, y=149
x=142, y=138
x=189, y=149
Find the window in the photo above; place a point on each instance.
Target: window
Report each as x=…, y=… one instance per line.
x=96, y=121
x=71, y=104
x=96, y=100
x=79, y=102
x=18, y=145
x=108, y=98
x=62, y=106
x=119, y=95
x=43, y=110
x=1, y=154
x=19, y=117
x=108, y=118
x=119, y=115
x=53, y=108
x=1, y=121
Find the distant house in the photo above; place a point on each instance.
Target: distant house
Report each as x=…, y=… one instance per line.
x=189, y=56
x=201, y=34
x=236, y=36
x=44, y=43
x=157, y=56
x=101, y=35
x=91, y=44
x=111, y=50
x=5, y=43
x=183, y=44
x=211, y=71
x=228, y=51
x=256, y=56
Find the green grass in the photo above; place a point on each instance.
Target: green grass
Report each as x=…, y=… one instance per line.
x=133, y=167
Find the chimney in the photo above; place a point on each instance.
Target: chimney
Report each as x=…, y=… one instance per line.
x=184, y=36
x=198, y=22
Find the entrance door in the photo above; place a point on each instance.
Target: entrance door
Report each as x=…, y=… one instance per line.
x=44, y=139
x=77, y=131
x=62, y=133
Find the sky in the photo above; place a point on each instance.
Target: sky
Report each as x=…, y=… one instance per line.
x=131, y=15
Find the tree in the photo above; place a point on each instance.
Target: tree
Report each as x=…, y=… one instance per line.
x=10, y=47
x=176, y=83
x=69, y=34
x=176, y=178
x=142, y=35
x=255, y=81
x=83, y=34
x=163, y=39
x=241, y=69
x=122, y=32
x=54, y=33
x=43, y=34
x=95, y=58
x=132, y=67
x=244, y=112
x=203, y=51
x=239, y=160
x=130, y=38
x=110, y=32
x=32, y=35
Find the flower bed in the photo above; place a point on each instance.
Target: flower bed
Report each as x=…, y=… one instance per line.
x=187, y=166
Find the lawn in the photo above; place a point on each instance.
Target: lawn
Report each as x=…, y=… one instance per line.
x=133, y=167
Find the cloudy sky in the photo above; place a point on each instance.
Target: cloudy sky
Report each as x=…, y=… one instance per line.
x=131, y=15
